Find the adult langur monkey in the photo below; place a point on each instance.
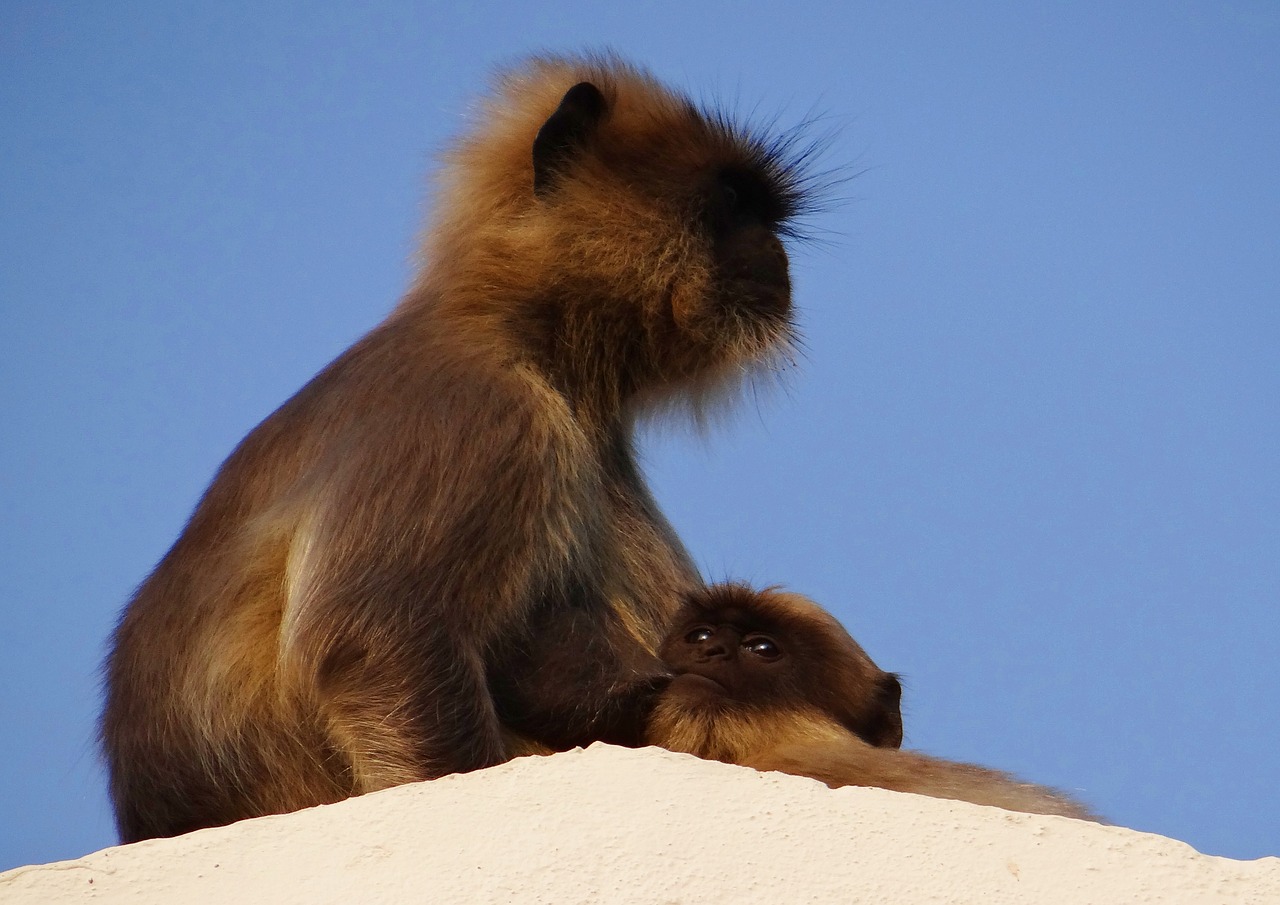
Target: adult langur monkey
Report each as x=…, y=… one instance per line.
x=441, y=552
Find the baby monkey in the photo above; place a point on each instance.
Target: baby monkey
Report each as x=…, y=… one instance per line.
x=770, y=680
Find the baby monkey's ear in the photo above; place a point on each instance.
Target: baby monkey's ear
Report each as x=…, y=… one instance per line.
x=563, y=134
x=887, y=730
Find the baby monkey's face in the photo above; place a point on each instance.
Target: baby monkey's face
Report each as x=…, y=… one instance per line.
x=726, y=654
x=733, y=648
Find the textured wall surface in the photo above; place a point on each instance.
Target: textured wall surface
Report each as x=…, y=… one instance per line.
x=614, y=825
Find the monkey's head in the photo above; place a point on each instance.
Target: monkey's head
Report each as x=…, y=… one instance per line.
x=738, y=650
x=626, y=237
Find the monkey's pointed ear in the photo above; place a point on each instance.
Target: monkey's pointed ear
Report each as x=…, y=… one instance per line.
x=580, y=112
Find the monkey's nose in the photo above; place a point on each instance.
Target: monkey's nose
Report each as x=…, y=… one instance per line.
x=713, y=652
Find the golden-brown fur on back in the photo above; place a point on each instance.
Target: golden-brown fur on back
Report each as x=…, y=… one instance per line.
x=771, y=681
x=441, y=550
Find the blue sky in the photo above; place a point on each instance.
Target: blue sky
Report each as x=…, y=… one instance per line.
x=1031, y=456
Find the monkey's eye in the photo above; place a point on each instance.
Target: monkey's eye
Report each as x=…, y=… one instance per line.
x=699, y=635
x=762, y=646
x=740, y=195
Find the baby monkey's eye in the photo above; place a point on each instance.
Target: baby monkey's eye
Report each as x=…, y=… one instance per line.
x=762, y=646
x=699, y=635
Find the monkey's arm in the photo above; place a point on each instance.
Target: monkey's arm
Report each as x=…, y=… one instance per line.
x=855, y=763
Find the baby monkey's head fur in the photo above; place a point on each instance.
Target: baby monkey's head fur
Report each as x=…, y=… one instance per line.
x=622, y=239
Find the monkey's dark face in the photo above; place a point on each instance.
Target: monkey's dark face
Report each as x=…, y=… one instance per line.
x=734, y=647
x=743, y=211
x=739, y=662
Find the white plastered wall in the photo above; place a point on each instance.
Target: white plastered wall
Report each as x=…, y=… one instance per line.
x=609, y=825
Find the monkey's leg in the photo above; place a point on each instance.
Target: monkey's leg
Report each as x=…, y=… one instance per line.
x=410, y=712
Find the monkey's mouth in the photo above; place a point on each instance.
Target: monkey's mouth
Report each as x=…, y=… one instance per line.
x=766, y=301
x=696, y=686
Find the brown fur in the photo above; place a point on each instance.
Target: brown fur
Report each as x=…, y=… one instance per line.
x=819, y=708
x=441, y=552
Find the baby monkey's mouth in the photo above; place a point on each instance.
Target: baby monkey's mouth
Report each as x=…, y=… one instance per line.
x=696, y=685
